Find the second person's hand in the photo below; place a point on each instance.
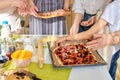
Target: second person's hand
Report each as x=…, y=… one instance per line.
x=61, y=39
x=74, y=29
x=89, y=22
x=23, y=12
x=99, y=41
x=33, y=10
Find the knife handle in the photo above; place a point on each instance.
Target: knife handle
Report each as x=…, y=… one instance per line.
x=35, y=78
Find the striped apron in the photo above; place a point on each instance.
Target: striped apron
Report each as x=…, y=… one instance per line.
x=50, y=26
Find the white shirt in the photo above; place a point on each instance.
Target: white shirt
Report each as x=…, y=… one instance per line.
x=88, y=6
x=112, y=16
x=10, y=15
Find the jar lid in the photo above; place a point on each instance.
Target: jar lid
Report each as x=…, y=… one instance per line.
x=5, y=23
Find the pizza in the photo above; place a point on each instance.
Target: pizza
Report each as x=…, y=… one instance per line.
x=13, y=75
x=73, y=54
x=56, y=13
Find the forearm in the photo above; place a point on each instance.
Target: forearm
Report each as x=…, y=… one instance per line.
x=78, y=18
x=89, y=33
x=5, y=4
x=12, y=3
x=101, y=23
x=30, y=1
x=66, y=3
x=79, y=36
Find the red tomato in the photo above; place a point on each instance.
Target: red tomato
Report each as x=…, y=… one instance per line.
x=8, y=54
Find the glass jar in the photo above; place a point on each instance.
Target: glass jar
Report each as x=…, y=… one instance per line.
x=29, y=45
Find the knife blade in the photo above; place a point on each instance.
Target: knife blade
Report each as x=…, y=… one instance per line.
x=31, y=75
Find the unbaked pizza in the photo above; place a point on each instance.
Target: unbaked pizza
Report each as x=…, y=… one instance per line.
x=56, y=13
x=73, y=54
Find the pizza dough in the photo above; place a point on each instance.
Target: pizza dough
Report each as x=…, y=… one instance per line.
x=73, y=54
x=52, y=14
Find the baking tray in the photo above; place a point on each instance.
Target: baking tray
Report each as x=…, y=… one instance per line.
x=99, y=59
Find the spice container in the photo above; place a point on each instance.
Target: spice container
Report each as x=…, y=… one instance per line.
x=29, y=45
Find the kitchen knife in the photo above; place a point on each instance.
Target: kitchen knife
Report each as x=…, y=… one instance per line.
x=31, y=75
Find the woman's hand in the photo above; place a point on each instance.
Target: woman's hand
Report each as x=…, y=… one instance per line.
x=23, y=12
x=61, y=39
x=74, y=29
x=99, y=41
x=33, y=10
x=89, y=22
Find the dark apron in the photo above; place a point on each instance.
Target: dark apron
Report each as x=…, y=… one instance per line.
x=86, y=17
x=51, y=26
x=113, y=64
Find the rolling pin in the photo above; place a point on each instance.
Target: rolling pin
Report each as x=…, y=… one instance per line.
x=40, y=53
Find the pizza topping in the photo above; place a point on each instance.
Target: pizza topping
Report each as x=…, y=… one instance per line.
x=19, y=75
x=59, y=12
x=75, y=54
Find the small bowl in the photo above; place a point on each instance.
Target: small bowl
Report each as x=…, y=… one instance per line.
x=3, y=60
x=22, y=58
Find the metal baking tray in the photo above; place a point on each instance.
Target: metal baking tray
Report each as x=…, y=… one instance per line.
x=99, y=59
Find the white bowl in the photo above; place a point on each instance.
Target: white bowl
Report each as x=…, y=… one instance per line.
x=22, y=58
